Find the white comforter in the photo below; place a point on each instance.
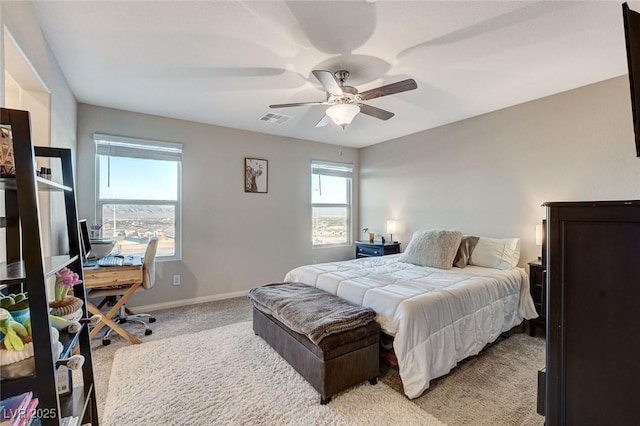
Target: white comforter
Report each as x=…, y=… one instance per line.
x=438, y=317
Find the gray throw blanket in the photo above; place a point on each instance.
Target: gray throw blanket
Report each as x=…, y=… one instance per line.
x=308, y=310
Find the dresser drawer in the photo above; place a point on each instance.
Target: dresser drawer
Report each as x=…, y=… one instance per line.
x=372, y=250
x=369, y=250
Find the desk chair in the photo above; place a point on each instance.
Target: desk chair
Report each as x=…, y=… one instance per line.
x=112, y=294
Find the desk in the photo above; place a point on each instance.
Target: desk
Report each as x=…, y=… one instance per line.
x=112, y=276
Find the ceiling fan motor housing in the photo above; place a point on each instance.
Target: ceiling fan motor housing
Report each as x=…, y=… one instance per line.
x=349, y=95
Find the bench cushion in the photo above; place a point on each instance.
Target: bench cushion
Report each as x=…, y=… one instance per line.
x=309, y=310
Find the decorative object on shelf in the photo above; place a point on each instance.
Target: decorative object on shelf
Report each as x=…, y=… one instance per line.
x=392, y=226
x=13, y=331
x=64, y=305
x=73, y=325
x=17, y=305
x=63, y=374
x=7, y=160
x=256, y=175
x=372, y=235
x=16, y=348
x=18, y=409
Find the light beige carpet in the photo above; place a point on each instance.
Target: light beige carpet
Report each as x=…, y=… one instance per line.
x=496, y=387
x=504, y=377
x=230, y=376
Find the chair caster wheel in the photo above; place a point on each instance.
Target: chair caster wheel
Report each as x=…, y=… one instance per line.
x=148, y=332
x=152, y=319
x=106, y=342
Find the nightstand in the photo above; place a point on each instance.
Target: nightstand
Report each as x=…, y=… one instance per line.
x=538, y=290
x=366, y=249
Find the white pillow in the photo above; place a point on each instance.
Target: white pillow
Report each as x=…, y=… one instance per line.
x=436, y=249
x=496, y=253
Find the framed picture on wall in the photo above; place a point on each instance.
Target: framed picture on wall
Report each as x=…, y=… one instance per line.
x=256, y=172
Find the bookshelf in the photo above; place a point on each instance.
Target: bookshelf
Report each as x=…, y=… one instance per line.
x=27, y=269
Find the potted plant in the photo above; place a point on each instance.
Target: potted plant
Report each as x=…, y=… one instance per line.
x=371, y=234
x=64, y=305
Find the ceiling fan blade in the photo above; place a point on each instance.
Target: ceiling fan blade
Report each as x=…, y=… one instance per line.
x=328, y=81
x=375, y=112
x=323, y=121
x=296, y=104
x=389, y=89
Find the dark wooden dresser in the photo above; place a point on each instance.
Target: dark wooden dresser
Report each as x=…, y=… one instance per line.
x=366, y=249
x=593, y=313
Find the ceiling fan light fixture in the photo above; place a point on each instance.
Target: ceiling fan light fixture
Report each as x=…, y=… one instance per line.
x=343, y=114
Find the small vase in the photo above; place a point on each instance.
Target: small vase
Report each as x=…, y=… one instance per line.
x=372, y=236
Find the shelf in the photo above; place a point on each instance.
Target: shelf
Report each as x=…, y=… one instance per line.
x=49, y=185
x=8, y=183
x=54, y=263
x=75, y=404
x=13, y=273
x=43, y=184
x=12, y=387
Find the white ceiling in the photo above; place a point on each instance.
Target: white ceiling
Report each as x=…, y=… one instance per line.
x=225, y=62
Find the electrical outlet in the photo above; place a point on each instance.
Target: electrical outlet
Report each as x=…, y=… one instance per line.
x=176, y=280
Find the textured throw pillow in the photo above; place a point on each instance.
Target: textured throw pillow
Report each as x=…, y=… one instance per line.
x=432, y=248
x=467, y=245
x=496, y=253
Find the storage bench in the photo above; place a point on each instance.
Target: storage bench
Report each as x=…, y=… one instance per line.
x=336, y=363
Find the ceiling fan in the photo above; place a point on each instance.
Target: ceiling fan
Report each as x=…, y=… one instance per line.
x=345, y=102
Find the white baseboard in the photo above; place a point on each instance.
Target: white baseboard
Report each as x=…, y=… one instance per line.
x=184, y=302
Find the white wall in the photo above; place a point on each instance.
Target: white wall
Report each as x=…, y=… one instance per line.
x=37, y=84
x=20, y=22
x=489, y=175
x=232, y=240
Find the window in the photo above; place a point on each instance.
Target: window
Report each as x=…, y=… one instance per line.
x=331, y=203
x=138, y=186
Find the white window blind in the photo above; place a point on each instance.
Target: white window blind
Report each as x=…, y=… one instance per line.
x=119, y=146
x=332, y=169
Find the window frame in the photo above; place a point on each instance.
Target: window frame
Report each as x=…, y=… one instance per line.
x=100, y=203
x=348, y=205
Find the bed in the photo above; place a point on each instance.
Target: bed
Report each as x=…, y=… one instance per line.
x=437, y=317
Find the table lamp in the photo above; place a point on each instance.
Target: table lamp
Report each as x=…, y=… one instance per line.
x=391, y=228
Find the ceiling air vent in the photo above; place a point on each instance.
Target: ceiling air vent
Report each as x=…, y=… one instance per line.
x=270, y=117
